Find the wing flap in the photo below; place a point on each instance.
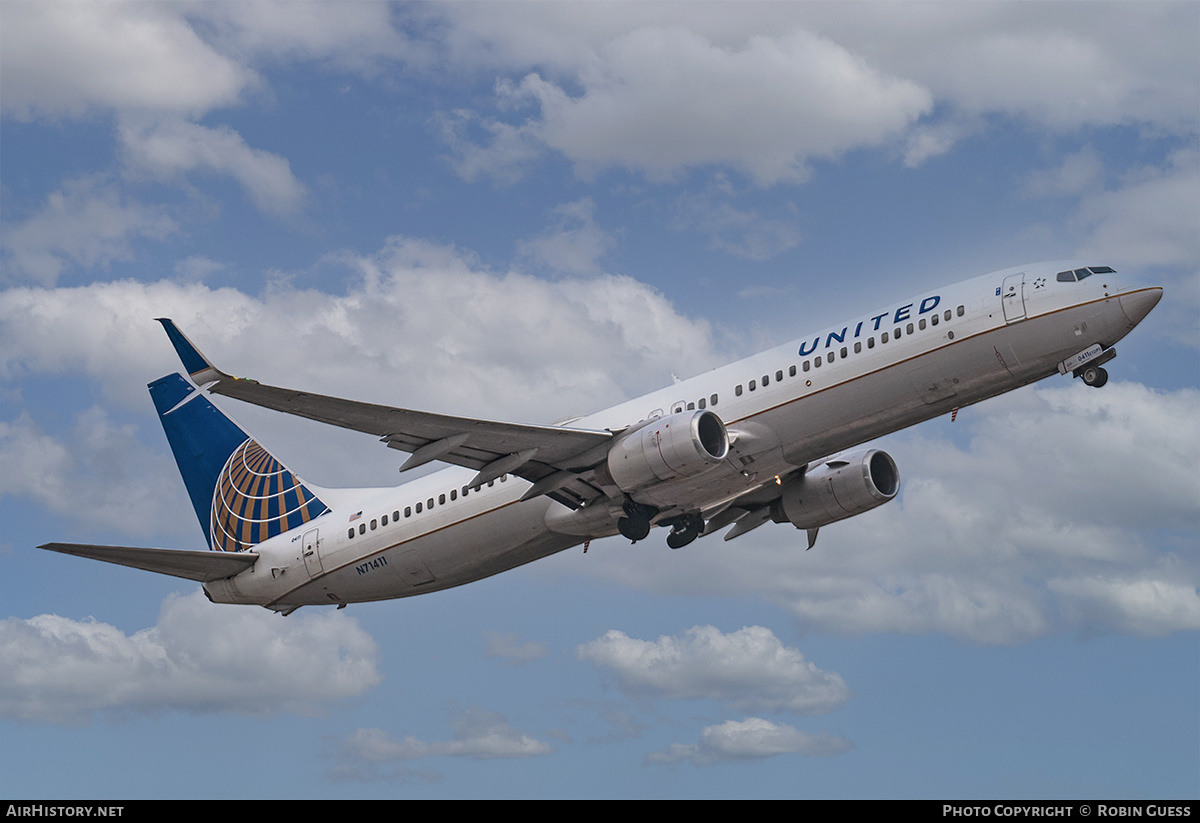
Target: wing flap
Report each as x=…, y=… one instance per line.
x=204, y=566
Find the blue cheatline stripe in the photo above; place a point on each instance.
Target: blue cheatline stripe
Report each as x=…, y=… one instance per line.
x=242, y=495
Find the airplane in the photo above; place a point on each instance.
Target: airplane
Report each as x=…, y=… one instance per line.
x=777, y=437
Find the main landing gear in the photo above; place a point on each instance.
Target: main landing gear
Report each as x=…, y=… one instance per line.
x=635, y=525
x=685, y=530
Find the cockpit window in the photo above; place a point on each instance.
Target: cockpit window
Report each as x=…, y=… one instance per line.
x=1079, y=274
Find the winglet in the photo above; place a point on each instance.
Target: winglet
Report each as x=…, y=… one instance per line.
x=199, y=368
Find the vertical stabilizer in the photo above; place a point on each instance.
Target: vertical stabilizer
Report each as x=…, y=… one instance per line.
x=242, y=495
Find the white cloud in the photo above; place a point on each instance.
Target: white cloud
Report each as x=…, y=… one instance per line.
x=1152, y=218
x=764, y=87
x=661, y=100
x=573, y=244
x=69, y=58
x=96, y=474
x=420, y=326
x=749, y=669
x=162, y=150
x=1079, y=173
x=198, y=658
x=483, y=148
x=750, y=739
x=87, y=223
x=356, y=37
x=741, y=233
x=478, y=734
x=506, y=645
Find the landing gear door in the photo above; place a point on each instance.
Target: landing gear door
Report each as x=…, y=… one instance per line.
x=1012, y=295
x=311, y=551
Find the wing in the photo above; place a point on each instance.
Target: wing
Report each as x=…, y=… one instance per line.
x=201, y=566
x=554, y=459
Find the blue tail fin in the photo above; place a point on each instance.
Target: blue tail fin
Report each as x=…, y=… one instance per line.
x=242, y=495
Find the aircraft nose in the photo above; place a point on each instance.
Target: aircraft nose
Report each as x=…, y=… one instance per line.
x=1137, y=304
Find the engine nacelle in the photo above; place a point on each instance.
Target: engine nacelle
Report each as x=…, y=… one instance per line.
x=840, y=487
x=666, y=448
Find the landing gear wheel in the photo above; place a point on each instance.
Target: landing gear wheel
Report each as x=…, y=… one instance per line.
x=634, y=528
x=686, y=529
x=636, y=524
x=1094, y=376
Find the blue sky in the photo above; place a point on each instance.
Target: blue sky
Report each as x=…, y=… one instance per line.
x=525, y=211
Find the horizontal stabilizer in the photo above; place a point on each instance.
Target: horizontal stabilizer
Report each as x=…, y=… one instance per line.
x=202, y=566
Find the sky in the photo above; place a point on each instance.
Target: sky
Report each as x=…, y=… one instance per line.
x=526, y=211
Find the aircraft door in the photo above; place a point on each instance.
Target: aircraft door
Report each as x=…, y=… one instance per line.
x=1012, y=295
x=311, y=551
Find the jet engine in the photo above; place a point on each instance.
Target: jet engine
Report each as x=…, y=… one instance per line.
x=666, y=448
x=840, y=487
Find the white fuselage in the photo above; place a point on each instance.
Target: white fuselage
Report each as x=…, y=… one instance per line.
x=821, y=394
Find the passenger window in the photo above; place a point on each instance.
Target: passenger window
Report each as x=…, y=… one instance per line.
x=766, y=380
x=870, y=342
x=817, y=361
x=828, y=358
x=843, y=352
x=961, y=310
x=691, y=406
x=383, y=520
x=737, y=390
x=778, y=375
x=948, y=315
x=408, y=511
x=921, y=325
x=753, y=385
x=858, y=347
x=441, y=499
x=883, y=338
x=933, y=321
x=909, y=328
x=806, y=365
x=395, y=515
x=454, y=494
x=418, y=508
x=713, y=400
x=429, y=504
x=362, y=528
x=792, y=370
x=352, y=533
x=702, y=403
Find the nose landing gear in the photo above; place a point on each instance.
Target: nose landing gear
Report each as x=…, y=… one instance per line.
x=1094, y=376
